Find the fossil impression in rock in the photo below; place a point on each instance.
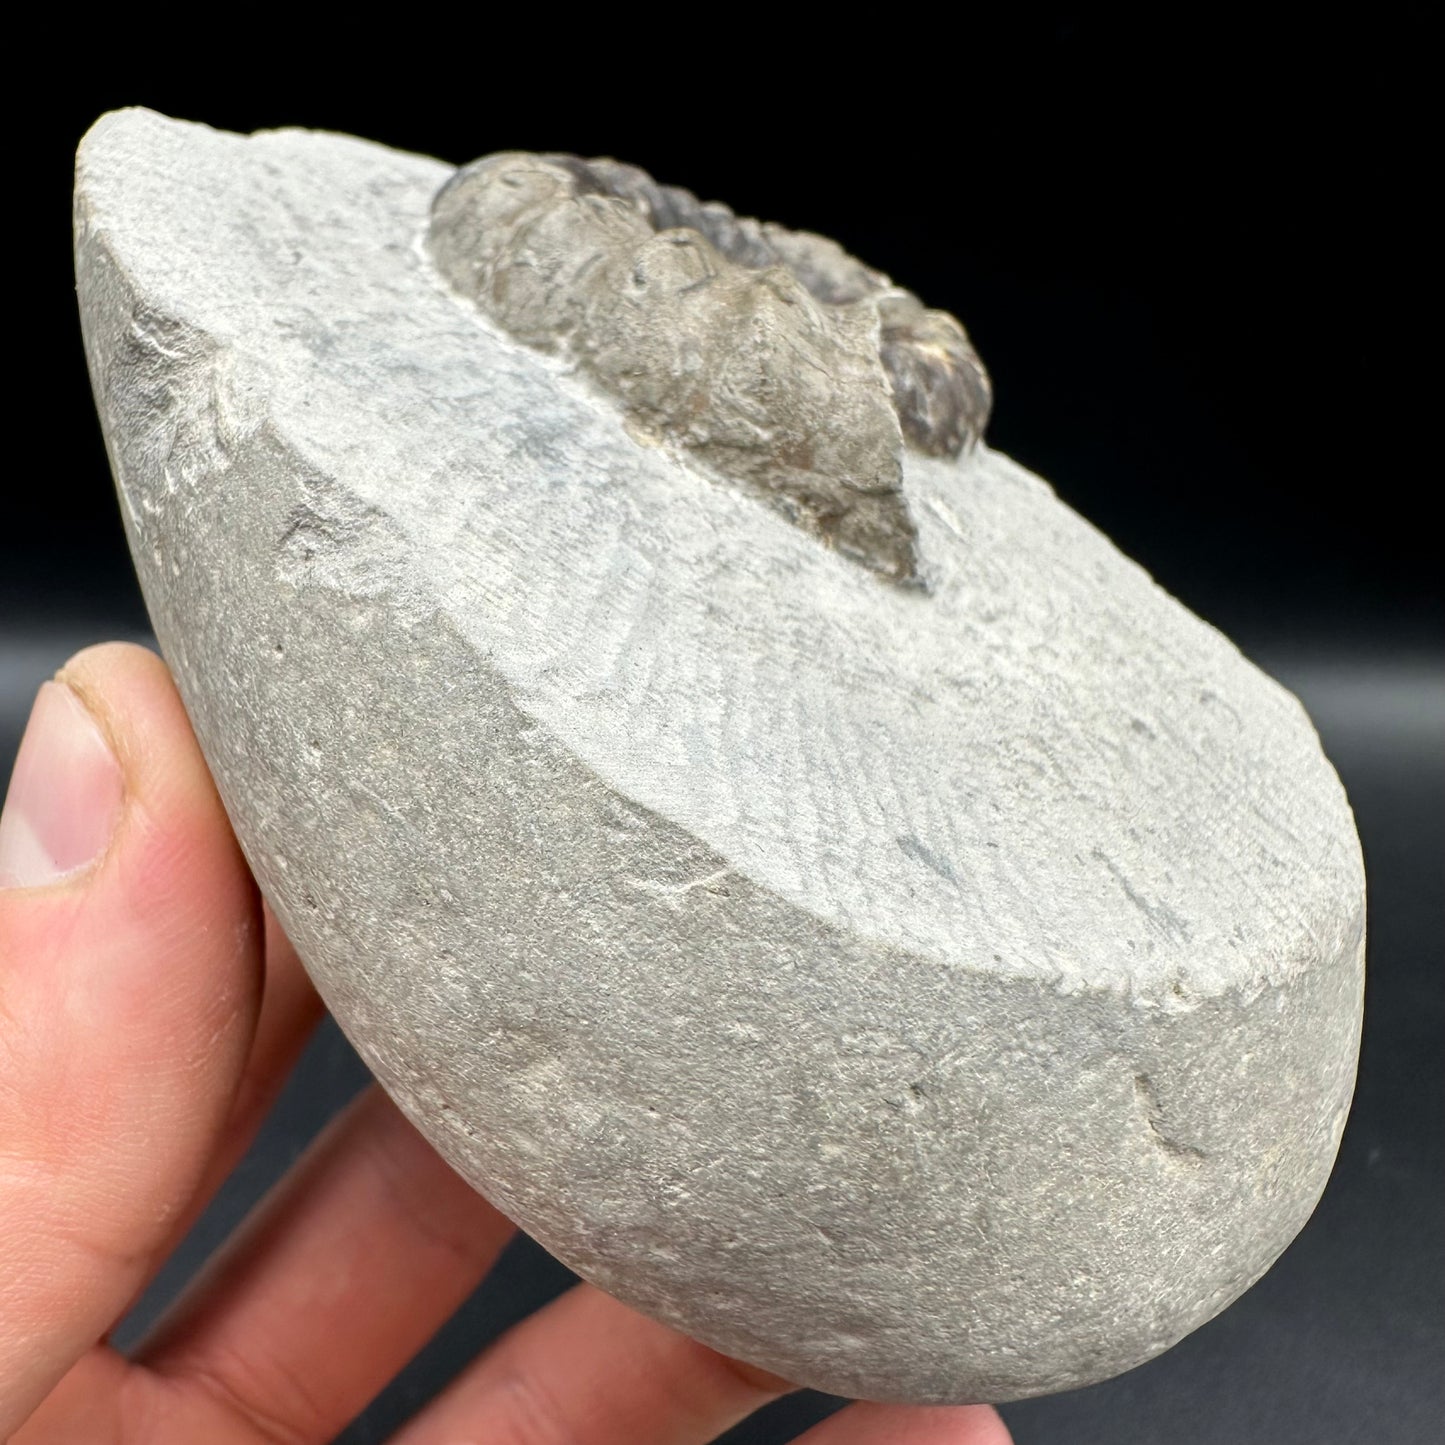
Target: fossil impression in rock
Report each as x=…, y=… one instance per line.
x=770, y=845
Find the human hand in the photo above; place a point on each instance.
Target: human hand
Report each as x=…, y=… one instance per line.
x=149, y=1010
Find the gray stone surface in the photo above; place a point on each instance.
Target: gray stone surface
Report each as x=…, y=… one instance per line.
x=937, y=993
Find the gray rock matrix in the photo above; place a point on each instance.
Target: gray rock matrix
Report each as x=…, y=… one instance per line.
x=938, y=992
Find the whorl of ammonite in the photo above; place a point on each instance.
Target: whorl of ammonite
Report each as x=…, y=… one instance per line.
x=773, y=357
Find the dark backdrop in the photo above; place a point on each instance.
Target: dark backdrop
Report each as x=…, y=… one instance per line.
x=1194, y=257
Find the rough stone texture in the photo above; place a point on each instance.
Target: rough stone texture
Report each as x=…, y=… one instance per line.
x=927, y=994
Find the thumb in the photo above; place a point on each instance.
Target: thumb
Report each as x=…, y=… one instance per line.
x=130, y=973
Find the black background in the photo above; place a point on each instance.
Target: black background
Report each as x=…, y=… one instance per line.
x=1195, y=259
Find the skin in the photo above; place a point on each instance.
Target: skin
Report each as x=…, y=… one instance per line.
x=150, y=1009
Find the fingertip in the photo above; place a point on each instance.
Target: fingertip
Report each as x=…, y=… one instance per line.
x=166, y=894
x=865, y=1424
x=65, y=794
x=129, y=691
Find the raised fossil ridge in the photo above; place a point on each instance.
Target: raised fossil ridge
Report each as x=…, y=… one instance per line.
x=773, y=357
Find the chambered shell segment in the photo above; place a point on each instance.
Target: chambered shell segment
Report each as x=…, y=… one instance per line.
x=772, y=356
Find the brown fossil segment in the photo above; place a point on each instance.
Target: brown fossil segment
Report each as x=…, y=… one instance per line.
x=772, y=356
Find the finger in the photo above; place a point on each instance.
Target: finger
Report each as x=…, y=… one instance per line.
x=336, y=1281
x=910, y=1425
x=588, y=1368
x=105, y=1400
x=290, y=1011
x=130, y=973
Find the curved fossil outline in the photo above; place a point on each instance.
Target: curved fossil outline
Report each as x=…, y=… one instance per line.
x=772, y=356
